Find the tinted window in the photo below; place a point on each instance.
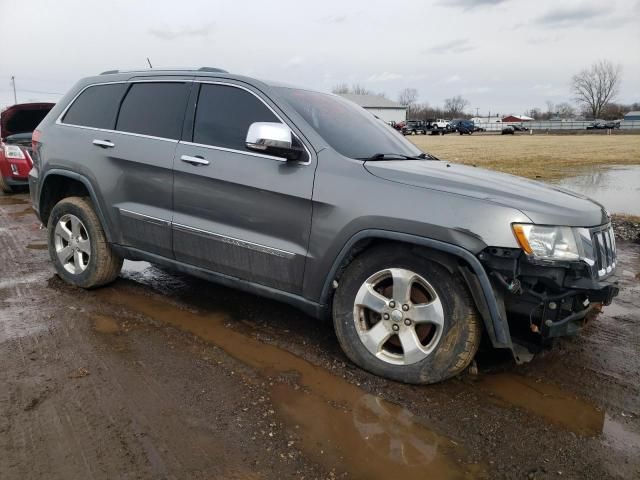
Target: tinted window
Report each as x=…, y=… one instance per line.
x=96, y=107
x=155, y=109
x=224, y=114
x=348, y=128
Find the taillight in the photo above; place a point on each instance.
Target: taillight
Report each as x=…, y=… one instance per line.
x=35, y=138
x=13, y=151
x=35, y=147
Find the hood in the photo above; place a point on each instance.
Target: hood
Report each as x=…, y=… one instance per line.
x=22, y=118
x=542, y=203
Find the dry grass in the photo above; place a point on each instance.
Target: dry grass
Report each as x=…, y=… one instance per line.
x=534, y=156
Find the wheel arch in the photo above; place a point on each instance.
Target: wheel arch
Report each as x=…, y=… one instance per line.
x=58, y=184
x=452, y=257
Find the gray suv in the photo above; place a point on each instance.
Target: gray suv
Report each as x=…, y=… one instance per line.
x=307, y=198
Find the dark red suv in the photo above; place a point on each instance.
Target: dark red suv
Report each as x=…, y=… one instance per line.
x=17, y=124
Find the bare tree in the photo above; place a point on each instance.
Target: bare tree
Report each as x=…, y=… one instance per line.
x=565, y=110
x=358, y=89
x=551, y=110
x=408, y=97
x=340, y=88
x=455, y=106
x=596, y=86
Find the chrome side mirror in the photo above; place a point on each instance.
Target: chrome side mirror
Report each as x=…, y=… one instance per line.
x=272, y=138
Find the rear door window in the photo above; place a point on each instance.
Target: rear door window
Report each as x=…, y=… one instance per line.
x=97, y=106
x=155, y=109
x=224, y=114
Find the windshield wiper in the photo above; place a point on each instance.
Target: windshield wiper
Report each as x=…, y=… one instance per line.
x=396, y=156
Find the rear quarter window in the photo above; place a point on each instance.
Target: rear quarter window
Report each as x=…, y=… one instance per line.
x=155, y=109
x=96, y=106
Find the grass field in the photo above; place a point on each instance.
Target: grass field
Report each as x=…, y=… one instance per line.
x=539, y=156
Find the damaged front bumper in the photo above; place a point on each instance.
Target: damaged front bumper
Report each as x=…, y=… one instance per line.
x=553, y=299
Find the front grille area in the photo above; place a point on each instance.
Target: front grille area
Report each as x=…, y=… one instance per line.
x=604, y=250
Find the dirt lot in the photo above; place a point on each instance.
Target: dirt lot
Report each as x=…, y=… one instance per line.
x=165, y=376
x=535, y=156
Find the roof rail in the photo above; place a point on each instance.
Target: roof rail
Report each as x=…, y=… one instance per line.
x=201, y=69
x=212, y=69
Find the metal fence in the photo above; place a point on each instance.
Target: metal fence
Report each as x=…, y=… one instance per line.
x=553, y=125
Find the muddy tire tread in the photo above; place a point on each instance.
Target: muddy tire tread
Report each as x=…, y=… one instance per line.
x=108, y=263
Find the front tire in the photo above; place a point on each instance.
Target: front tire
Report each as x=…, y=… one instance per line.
x=78, y=246
x=404, y=317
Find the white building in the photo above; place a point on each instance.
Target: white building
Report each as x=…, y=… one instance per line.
x=381, y=107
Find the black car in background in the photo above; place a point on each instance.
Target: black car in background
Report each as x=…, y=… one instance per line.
x=414, y=127
x=463, y=126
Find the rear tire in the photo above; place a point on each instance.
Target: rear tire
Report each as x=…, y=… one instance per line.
x=439, y=317
x=4, y=186
x=78, y=246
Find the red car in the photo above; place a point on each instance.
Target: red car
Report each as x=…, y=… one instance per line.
x=17, y=123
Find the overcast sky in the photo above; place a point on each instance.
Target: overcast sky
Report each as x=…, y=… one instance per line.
x=504, y=56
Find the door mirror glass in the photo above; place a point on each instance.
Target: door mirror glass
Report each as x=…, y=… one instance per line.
x=272, y=138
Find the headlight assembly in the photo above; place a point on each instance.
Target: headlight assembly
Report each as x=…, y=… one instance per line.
x=547, y=243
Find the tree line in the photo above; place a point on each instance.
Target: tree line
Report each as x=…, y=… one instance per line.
x=594, y=90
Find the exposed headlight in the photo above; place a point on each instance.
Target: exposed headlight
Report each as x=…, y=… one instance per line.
x=13, y=151
x=547, y=243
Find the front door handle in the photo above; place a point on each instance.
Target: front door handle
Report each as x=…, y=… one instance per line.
x=197, y=160
x=104, y=143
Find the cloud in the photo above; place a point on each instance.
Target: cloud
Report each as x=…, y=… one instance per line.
x=184, y=32
x=454, y=46
x=453, y=78
x=334, y=19
x=470, y=4
x=569, y=16
x=384, y=77
x=294, y=62
x=476, y=90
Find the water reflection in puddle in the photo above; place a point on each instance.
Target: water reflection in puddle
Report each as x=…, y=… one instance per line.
x=617, y=188
x=340, y=425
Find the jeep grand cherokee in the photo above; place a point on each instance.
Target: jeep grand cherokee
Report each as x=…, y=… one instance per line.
x=305, y=197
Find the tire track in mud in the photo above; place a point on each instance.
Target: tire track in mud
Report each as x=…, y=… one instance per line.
x=134, y=415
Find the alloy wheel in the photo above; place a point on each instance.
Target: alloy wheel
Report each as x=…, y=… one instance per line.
x=72, y=244
x=399, y=316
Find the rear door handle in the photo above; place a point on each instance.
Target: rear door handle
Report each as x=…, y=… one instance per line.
x=104, y=143
x=197, y=160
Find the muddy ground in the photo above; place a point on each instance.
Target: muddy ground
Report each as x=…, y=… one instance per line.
x=166, y=376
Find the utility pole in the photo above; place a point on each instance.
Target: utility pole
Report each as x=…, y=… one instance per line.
x=477, y=110
x=149, y=62
x=13, y=82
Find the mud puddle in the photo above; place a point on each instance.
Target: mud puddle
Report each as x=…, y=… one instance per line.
x=559, y=407
x=105, y=324
x=12, y=201
x=338, y=425
x=23, y=213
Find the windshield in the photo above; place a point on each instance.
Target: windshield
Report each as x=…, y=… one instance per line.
x=348, y=128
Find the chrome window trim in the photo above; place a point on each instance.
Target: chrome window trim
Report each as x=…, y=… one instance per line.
x=246, y=152
x=142, y=216
x=173, y=140
x=242, y=152
x=108, y=130
x=236, y=241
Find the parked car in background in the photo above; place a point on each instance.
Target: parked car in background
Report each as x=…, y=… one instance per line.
x=519, y=128
x=508, y=130
x=414, y=127
x=596, y=126
x=612, y=125
x=16, y=126
x=307, y=198
x=476, y=128
x=439, y=126
x=463, y=127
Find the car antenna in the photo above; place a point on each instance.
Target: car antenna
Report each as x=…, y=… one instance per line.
x=149, y=62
